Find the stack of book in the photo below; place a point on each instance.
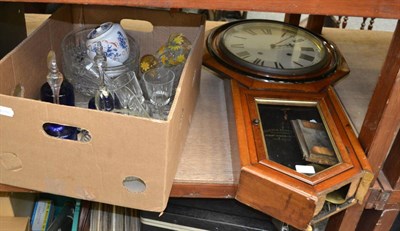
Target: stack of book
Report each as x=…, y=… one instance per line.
x=314, y=142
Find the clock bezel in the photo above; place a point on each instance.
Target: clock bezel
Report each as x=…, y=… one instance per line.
x=326, y=66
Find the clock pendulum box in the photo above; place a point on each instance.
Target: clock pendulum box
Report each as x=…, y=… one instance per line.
x=300, y=159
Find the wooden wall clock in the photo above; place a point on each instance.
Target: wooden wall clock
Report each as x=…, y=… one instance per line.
x=288, y=178
x=300, y=159
x=266, y=54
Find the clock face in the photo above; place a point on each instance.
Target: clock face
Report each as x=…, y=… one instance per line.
x=272, y=50
x=274, y=47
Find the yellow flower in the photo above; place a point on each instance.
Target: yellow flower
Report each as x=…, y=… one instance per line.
x=161, y=50
x=144, y=66
x=174, y=48
x=178, y=39
x=172, y=62
x=164, y=59
x=180, y=58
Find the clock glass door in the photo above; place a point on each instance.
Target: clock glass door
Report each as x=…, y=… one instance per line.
x=293, y=134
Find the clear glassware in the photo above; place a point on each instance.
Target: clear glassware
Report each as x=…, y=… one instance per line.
x=128, y=94
x=173, y=55
x=159, y=83
x=55, y=82
x=103, y=98
x=66, y=96
x=175, y=51
x=82, y=72
x=54, y=77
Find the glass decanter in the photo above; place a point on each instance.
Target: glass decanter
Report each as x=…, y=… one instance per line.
x=55, y=81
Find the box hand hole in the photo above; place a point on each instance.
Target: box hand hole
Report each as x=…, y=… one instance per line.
x=136, y=25
x=134, y=184
x=62, y=131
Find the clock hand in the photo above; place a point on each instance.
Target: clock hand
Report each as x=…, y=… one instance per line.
x=275, y=44
x=286, y=45
x=283, y=45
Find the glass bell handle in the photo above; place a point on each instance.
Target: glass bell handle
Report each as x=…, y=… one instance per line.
x=54, y=76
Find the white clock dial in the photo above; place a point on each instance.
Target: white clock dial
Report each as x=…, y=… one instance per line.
x=279, y=48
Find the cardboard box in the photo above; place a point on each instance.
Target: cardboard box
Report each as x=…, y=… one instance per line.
x=14, y=224
x=16, y=204
x=130, y=161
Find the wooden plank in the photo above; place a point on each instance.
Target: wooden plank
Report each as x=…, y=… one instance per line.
x=387, y=129
x=315, y=23
x=392, y=163
x=394, y=200
x=380, y=126
x=375, y=220
x=345, y=220
x=204, y=190
x=366, y=8
x=380, y=97
x=377, y=213
x=293, y=19
x=9, y=188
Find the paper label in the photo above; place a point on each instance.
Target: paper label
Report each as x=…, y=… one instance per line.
x=6, y=111
x=306, y=169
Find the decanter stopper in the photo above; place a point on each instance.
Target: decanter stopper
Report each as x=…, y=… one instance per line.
x=104, y=100
x=100, y=58
x=54, y=76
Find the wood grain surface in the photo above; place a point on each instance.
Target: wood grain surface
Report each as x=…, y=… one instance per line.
x=367, y=8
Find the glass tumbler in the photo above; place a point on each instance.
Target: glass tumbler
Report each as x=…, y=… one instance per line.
x=159, y=83
x=127, y=93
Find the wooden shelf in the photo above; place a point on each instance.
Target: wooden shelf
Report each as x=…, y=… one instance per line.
x=371, y=55
x=366, y=8
x=207, y=160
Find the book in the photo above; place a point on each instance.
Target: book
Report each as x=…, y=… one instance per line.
x=76, y=215
x=63, y=219
x=84, y=216
x=105, y=217
x=314, y=142
x=190, y=214
x=42, y=215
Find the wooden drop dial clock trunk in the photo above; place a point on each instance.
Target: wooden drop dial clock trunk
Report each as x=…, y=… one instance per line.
x=300, y=159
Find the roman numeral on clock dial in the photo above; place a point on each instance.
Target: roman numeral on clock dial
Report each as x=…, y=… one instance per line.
x=243, y=54
x=250, y=31
x=307, y=57
x=238, y=45
x=298, y=64
x=266, y=31
x=307, y=49
x=258, y=61
x=279, y=65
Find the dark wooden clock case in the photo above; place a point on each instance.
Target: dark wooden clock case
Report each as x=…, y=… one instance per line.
x=272, y=187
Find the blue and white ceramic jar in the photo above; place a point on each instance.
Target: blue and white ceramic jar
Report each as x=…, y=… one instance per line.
x=114, y=41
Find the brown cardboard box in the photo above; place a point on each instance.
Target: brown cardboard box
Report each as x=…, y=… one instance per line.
x=16, y=204
x=14, y=224
x=122, y=148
